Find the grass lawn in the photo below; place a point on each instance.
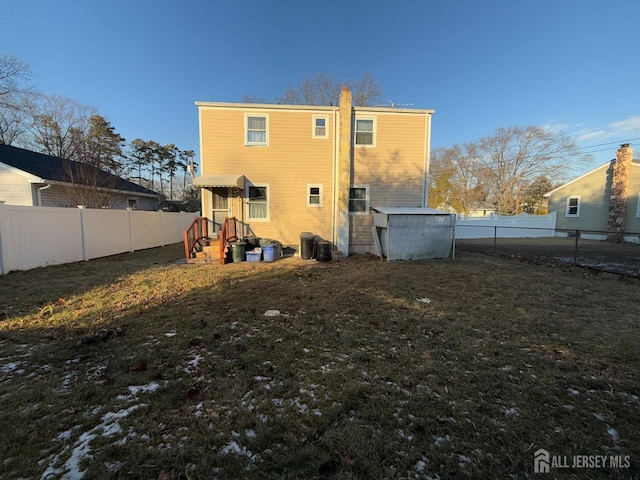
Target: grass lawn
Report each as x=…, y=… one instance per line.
x=134, y=367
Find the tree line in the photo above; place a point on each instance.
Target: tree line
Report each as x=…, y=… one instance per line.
x=511, y=169
x=64, y=128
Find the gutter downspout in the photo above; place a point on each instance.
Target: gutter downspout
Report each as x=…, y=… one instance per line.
x=427, y=161
x=48, y=185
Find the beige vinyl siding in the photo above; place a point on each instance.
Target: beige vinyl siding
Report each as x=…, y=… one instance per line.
x=393, y=169
x=291, y=161
x=594, y=190
x=15, y=189
x=632, y=218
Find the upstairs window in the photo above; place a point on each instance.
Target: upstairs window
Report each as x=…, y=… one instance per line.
x=258, y=202
x=359, y=200
x=256, y=130
x=573, y=207
x=320, y=126
x=365, y=131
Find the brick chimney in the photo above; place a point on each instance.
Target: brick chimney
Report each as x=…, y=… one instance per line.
x=344, y=172
x=618, y=198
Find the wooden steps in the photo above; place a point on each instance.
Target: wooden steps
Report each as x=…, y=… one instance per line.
x=208, y=253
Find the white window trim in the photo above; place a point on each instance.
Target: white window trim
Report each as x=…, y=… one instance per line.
x=366, y=208
x=375, y=131
x=246, y=130
x=572, y=215
x=246, y=196
x=326, y=126
x=309, y=187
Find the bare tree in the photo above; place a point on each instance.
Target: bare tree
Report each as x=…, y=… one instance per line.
x=457, y=179
x=513, y=157
x=14, y=91
x=366, y=91
x=59, y=126
x=324, y=90
x=14, y=73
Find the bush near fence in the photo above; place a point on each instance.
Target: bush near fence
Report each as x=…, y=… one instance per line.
x=32, y=237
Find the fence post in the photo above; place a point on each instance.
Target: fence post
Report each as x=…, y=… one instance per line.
x=130, y=217
x=575, y=250
x=3, y=268
x=495, y=237
x=83, y=234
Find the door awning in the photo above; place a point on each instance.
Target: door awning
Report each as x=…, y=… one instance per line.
x=219, y=180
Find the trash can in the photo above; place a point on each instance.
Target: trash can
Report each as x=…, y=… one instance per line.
x=323, y=251
x=306, y=245
x=269, y=253
x=270, y=242
x=237, y=252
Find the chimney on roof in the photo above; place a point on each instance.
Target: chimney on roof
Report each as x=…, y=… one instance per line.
x=621, y=171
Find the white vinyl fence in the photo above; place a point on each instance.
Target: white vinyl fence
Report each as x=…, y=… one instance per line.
x=517, y=226
x=32, y=237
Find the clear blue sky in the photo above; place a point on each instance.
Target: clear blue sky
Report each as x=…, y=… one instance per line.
x=570, y=64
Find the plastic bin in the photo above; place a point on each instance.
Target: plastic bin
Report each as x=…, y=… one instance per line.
x=269, y=253
x=254, y=255
x=237, y=252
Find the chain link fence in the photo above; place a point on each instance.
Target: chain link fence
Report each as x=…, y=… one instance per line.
x=585, y=248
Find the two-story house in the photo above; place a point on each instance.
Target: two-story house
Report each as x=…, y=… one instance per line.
x=286, y=169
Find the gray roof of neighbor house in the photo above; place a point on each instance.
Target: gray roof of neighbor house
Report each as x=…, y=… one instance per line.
x=54, y=169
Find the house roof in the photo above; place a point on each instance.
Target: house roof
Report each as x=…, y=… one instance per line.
x=634, y=162
x=49, y=169
x=272, y=106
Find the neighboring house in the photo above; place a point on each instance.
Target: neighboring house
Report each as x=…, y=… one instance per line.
x=34, y=179
x=602, y=201
x=481, y=209
x=286, y=169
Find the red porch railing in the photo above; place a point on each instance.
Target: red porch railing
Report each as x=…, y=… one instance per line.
x=198, y=230
x=228, y=234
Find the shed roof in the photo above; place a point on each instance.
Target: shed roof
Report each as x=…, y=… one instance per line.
x=410, y=211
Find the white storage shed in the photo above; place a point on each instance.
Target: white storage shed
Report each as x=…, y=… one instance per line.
x=413, y=233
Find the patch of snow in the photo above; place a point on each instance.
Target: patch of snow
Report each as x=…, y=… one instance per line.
x=463, y=461
x=272, y=313
x=170, y=334
x=70, y=470
x=438, y=440
x=599, y=416
x=511, y=411
x=420, y=466
x=573, y=392
x=424, y=300
x=10, y=367
x=613, y=434
x=194, y=363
